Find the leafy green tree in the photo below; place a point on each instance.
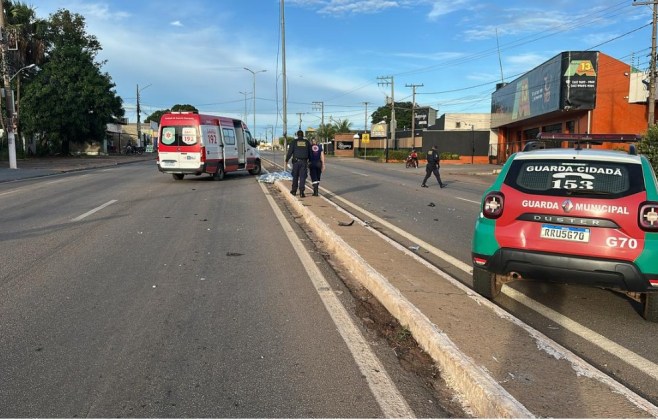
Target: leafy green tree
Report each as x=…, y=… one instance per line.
x=402, y=114
x=648, y=146
x=184, y=108
x=70, y=100
x=155, y=116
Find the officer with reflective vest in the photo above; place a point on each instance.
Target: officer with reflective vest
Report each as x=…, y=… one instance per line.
x=316, y=165
x=300, y=152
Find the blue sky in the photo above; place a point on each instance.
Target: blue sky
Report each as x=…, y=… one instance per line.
x=195, y=51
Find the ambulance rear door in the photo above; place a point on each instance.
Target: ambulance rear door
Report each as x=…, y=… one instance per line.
x=230, y=148
x=179, y=148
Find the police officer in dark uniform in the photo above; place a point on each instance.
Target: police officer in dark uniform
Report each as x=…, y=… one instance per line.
x=300, y=152
x=432, y=167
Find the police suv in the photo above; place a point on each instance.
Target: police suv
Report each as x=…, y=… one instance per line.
x=579, y=215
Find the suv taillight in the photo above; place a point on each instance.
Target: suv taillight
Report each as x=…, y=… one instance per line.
x=648, y=216
x=492, y=208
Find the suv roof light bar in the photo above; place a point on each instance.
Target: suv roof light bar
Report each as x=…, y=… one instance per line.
x=590, y=138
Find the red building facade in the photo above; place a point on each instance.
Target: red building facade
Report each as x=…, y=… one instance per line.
x=581, y=92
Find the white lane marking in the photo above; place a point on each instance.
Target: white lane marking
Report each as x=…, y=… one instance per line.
x=580, y=330
x=466, y=199
x=391, y=402
x=9, y=192
x=92, y=211
x=360, y=173
x=595, y=338
x=29, y=188
x=448, y=258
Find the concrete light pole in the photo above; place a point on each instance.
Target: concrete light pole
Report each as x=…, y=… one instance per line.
x=245, y=104
x=9, y=96
x=413, y=113
x=253, y=73
x=139, y=126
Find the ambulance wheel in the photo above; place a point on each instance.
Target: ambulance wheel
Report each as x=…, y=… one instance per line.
x=256, y=170
x=485, y=283
x=650, y=306
x=178, y=177
x=219, y=175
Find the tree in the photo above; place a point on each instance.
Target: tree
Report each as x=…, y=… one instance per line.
x=155, y=116
x=325, y=132
x=70, y=100
x=402, y=114
x=342, y=126
x=184, y=108
x=648, y=146
x=30, y=32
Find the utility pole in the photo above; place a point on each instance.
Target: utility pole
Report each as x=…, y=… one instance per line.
x=388, y=80
x=299, y=114
x=11, y=141
x=651, y=100
x=324, y=129
x=285, y=94
x=139, y=126
x=413, y=113
x=365, y=122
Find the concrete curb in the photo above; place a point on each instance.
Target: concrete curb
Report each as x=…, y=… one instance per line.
x=484, y=395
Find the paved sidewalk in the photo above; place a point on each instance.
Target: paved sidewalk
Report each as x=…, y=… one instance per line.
x=39, y=167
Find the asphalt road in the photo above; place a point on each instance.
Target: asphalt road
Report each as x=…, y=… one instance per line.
x=602, y=327
x=127, y=294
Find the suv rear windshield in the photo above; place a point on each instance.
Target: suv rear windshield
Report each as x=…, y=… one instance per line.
x=179, y=135
x=588, y=178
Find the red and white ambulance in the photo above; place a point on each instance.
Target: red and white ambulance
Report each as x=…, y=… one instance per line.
x=195, y=144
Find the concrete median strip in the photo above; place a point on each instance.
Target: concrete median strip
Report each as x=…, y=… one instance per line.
x=485, y=396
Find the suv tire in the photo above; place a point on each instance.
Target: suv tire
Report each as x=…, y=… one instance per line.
x=485, y=283
x=650, y=306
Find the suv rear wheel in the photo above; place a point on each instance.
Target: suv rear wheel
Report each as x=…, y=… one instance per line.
x=650, y=306
x=485, y=283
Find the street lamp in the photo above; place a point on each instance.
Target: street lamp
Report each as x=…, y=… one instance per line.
x=11, y=140
x=253, y=73
x=20, y=70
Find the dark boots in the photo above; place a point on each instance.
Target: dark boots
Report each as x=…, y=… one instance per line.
x=315, y=189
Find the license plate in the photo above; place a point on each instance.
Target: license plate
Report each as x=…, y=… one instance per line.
x=564, y=233
x=168, y=163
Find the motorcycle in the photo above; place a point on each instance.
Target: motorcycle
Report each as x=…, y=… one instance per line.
x=134, y=150
x=412, y=161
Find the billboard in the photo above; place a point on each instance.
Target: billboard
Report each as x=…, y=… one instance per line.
x=566, y=81
x=378, y=130
x=421, y=116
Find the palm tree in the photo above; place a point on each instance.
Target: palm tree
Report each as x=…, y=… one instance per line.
x=30, y=33
x=342, y=126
